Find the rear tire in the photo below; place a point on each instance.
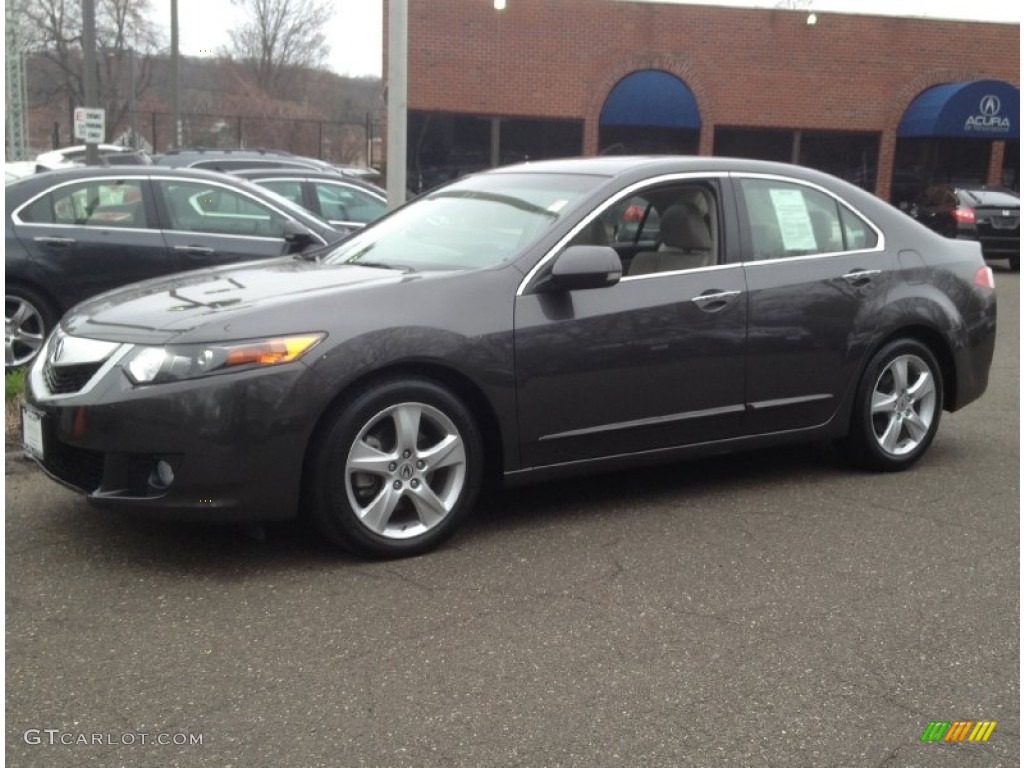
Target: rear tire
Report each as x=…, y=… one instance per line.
x=396, y=469
x=1015, y=263
x=897, y=409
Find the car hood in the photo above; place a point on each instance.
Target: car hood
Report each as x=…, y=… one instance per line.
x=158, y=311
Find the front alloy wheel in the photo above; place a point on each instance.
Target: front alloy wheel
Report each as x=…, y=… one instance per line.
x=406, y=470
x=396, y=469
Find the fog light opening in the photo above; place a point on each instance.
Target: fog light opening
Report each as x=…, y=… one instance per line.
x=162, y=475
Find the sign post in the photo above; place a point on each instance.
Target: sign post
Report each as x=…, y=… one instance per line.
x=90, y=124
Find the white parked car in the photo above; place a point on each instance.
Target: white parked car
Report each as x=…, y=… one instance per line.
x=69, y=156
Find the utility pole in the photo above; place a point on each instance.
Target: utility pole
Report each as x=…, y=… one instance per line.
x=17, y=97
x=175, y=82
x=92, y=155
x=398, y=99
x=131, y=100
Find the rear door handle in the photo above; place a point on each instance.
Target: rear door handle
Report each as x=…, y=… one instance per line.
x=861, y=276
x=56, y=242
x=714, y=300
x=194, y=250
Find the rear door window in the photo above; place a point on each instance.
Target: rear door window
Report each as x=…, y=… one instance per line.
x=290, y=189
x=786, y=219
x=212, y=209
x=96, y=203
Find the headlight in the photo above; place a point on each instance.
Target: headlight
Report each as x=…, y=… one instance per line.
x=152, y=365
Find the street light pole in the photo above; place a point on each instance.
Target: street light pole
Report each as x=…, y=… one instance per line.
x=398, y=99
x=92, y=155
x=131, y=100
x=175, y=82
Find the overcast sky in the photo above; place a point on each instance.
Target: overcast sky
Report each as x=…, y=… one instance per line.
x=356, y=29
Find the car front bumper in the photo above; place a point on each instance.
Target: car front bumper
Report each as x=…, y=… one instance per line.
x=234, y=444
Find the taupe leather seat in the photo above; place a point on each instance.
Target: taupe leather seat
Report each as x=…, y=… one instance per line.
x=685, y=243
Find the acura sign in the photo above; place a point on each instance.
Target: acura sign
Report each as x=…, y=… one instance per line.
x=988, y=119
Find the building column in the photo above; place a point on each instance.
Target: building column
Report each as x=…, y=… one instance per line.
x=886, y=161
x=995, y=164
x=706, y=143
x=591, y=128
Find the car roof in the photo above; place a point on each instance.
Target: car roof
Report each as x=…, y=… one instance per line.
x=182, y=156
x=982, y=188
x=304, y=173
x=622, y=170
x=650, y=165
x=83, y=171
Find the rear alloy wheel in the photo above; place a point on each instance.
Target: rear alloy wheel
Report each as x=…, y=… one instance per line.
x=27, y=320
x=898, y=408
x=397, y=469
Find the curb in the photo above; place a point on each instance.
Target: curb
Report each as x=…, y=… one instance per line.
x=16, y=463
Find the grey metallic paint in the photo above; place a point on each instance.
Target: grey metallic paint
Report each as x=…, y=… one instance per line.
x=572, y=381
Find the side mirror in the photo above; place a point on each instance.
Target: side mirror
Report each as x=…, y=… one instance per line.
x=581, y=267
x=297, y=236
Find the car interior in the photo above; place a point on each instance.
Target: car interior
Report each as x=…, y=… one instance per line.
x=666, y=229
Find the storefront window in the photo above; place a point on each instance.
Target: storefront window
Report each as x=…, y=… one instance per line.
x=444, y=146
x=850, y=156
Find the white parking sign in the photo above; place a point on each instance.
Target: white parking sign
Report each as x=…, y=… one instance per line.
x=90, y=124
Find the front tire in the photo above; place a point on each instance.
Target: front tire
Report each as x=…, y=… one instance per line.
x=28, y=318
x=898, y=407
x=396, y=469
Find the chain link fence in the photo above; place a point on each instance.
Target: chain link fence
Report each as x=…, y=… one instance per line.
x=342, y=142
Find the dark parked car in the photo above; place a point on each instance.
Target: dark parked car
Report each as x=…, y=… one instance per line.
x=344, y=201
x=363, y=173
x=227, y=160
x=501, y=327
x=990, y=215
x=71, y=234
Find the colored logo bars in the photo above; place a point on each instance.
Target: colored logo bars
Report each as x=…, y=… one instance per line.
x=959, y=730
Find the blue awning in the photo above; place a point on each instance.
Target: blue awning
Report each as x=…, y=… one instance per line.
x=982, y=109
x=653, y=99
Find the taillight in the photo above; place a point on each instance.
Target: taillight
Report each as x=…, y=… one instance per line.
x=984, y=278
x=964, y=215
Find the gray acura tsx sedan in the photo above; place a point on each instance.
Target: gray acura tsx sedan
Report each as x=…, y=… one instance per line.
x=529, y=322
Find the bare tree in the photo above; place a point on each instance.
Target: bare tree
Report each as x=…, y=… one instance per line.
x=279, y=37
x=126, y=40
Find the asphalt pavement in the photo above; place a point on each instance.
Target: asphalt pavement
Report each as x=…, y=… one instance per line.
x=768, y=609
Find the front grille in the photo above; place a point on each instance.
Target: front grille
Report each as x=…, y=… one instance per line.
x=68, y=379
x=78, y=467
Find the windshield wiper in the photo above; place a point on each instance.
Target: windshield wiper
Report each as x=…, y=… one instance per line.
x=515, y=202
x=381, y=265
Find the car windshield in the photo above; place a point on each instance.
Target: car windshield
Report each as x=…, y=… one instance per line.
x=477, y=222
x=1000, y=198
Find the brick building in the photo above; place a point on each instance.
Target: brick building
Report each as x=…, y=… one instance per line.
x=889, y=103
